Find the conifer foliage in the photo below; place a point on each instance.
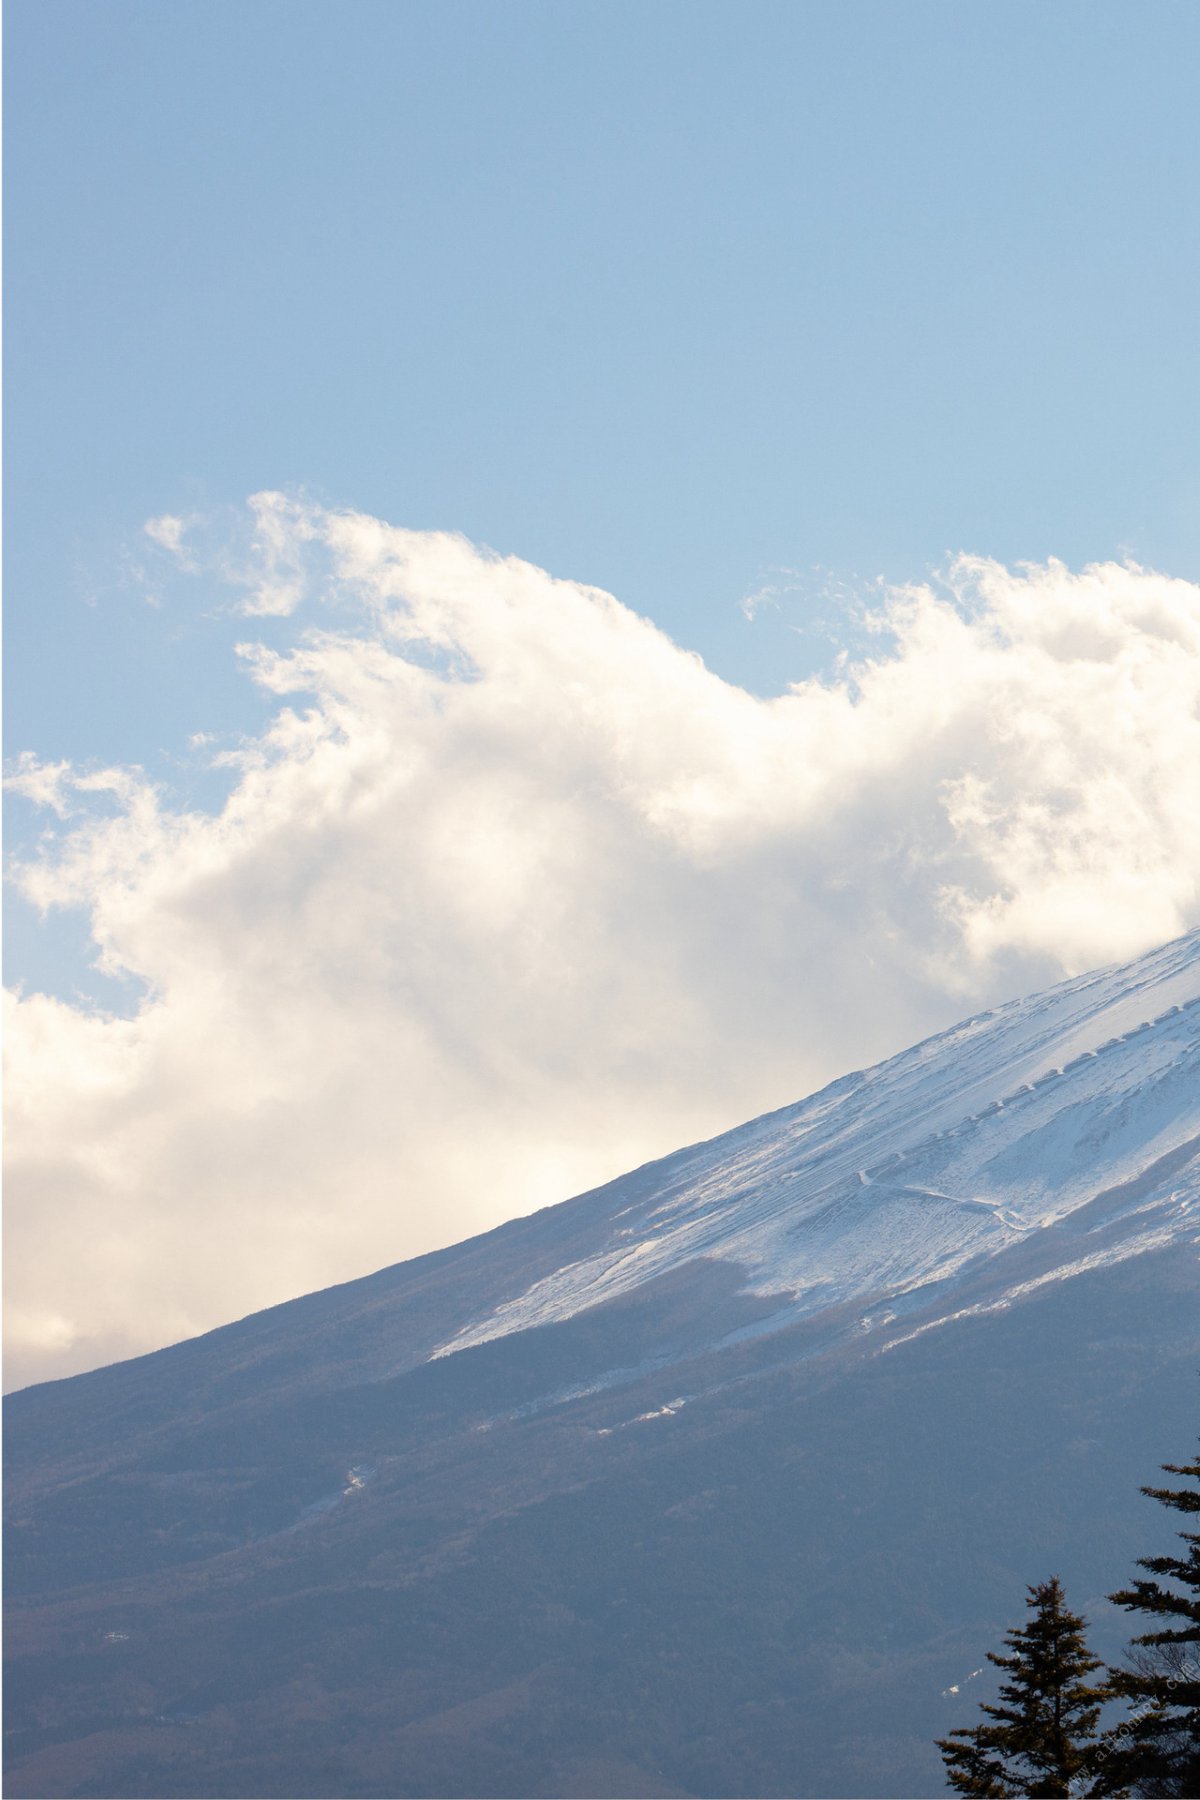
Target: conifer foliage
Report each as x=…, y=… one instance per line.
x=1157, y=1750
x=1040, y=1738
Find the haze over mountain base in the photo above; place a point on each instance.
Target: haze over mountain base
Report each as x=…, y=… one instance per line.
x=716, y=1480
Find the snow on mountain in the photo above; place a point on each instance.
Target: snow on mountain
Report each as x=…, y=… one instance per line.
x=1078, y=1108
x=810, y=1405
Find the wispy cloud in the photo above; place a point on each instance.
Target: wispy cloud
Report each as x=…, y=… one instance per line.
x=513, y=893
x=167, y=532
x=46, y=785
x=276, y=572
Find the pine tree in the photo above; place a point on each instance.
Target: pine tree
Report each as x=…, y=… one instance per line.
x=1157, y=1750
x=1042, y=1734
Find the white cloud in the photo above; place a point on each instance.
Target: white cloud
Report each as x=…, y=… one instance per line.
x=44, y=784
x=167, y=532
x=514, y=893
x=170, y=532
x=275, y=574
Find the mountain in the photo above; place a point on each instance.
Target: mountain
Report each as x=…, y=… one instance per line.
x=719, y=1479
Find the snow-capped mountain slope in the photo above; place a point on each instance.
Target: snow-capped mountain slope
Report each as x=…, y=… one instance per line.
x=719, y=1479
x=895, y=1178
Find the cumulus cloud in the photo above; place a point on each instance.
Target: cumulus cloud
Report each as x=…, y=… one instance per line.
x=513, y=893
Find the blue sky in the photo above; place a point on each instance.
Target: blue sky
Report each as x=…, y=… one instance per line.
x=664, y=297
x=747, y=314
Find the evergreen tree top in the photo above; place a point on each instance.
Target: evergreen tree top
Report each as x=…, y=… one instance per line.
x=1043, y=1727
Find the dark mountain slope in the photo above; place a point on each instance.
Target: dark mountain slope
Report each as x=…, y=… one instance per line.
x=742, y=1461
